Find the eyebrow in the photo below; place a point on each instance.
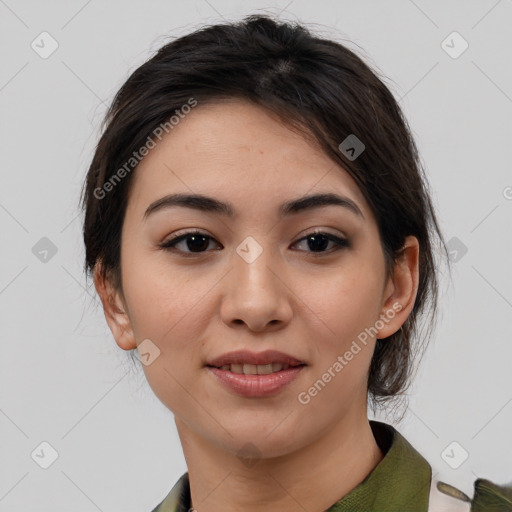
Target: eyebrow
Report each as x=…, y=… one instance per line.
x=211, y=205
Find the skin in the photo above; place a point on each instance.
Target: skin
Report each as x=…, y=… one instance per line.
x=308, y=304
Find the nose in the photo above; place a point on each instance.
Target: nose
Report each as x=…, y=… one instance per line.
x=256, y=294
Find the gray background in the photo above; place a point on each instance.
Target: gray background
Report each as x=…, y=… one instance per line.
x=62, y=378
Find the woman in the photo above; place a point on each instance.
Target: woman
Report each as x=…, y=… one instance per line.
x=260, y=232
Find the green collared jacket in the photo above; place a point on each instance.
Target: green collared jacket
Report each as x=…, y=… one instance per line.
x=401, y=482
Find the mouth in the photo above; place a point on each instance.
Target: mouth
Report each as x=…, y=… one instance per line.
x=255, y=374
x=256, y=369
x=255, y=363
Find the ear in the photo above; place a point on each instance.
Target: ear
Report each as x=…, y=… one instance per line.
x=115, y=310
x=401, y=289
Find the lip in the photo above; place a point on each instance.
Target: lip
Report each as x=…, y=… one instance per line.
x=245, y=356
x=255, y=385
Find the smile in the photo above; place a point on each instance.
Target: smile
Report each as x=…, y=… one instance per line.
x=255, y=369
x=255, y=374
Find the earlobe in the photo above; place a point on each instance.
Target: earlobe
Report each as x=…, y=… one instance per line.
x=401, y=289
x=114, y=309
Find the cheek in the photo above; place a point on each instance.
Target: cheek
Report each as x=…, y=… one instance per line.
x=160, y=300
x=344, y=304
x=343, y=307
x=169, y=308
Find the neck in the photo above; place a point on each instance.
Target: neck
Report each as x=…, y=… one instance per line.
x=312, y=478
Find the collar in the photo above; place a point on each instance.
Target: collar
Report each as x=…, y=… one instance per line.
x=401, y=481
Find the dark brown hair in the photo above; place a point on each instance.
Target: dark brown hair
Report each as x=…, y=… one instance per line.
x=313, y=84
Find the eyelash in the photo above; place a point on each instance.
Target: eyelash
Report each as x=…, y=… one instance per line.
x=169, y=245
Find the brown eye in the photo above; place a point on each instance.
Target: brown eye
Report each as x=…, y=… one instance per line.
x=318, y=241
x=195, y=242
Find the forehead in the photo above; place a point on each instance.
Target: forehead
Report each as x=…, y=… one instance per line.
x=238, y=152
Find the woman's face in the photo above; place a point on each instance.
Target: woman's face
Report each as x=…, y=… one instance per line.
x=256, y=283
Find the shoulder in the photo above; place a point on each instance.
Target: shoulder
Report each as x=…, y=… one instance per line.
x=178, y=499
x=487, y=497
x=442, y=496
x=446, y=498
